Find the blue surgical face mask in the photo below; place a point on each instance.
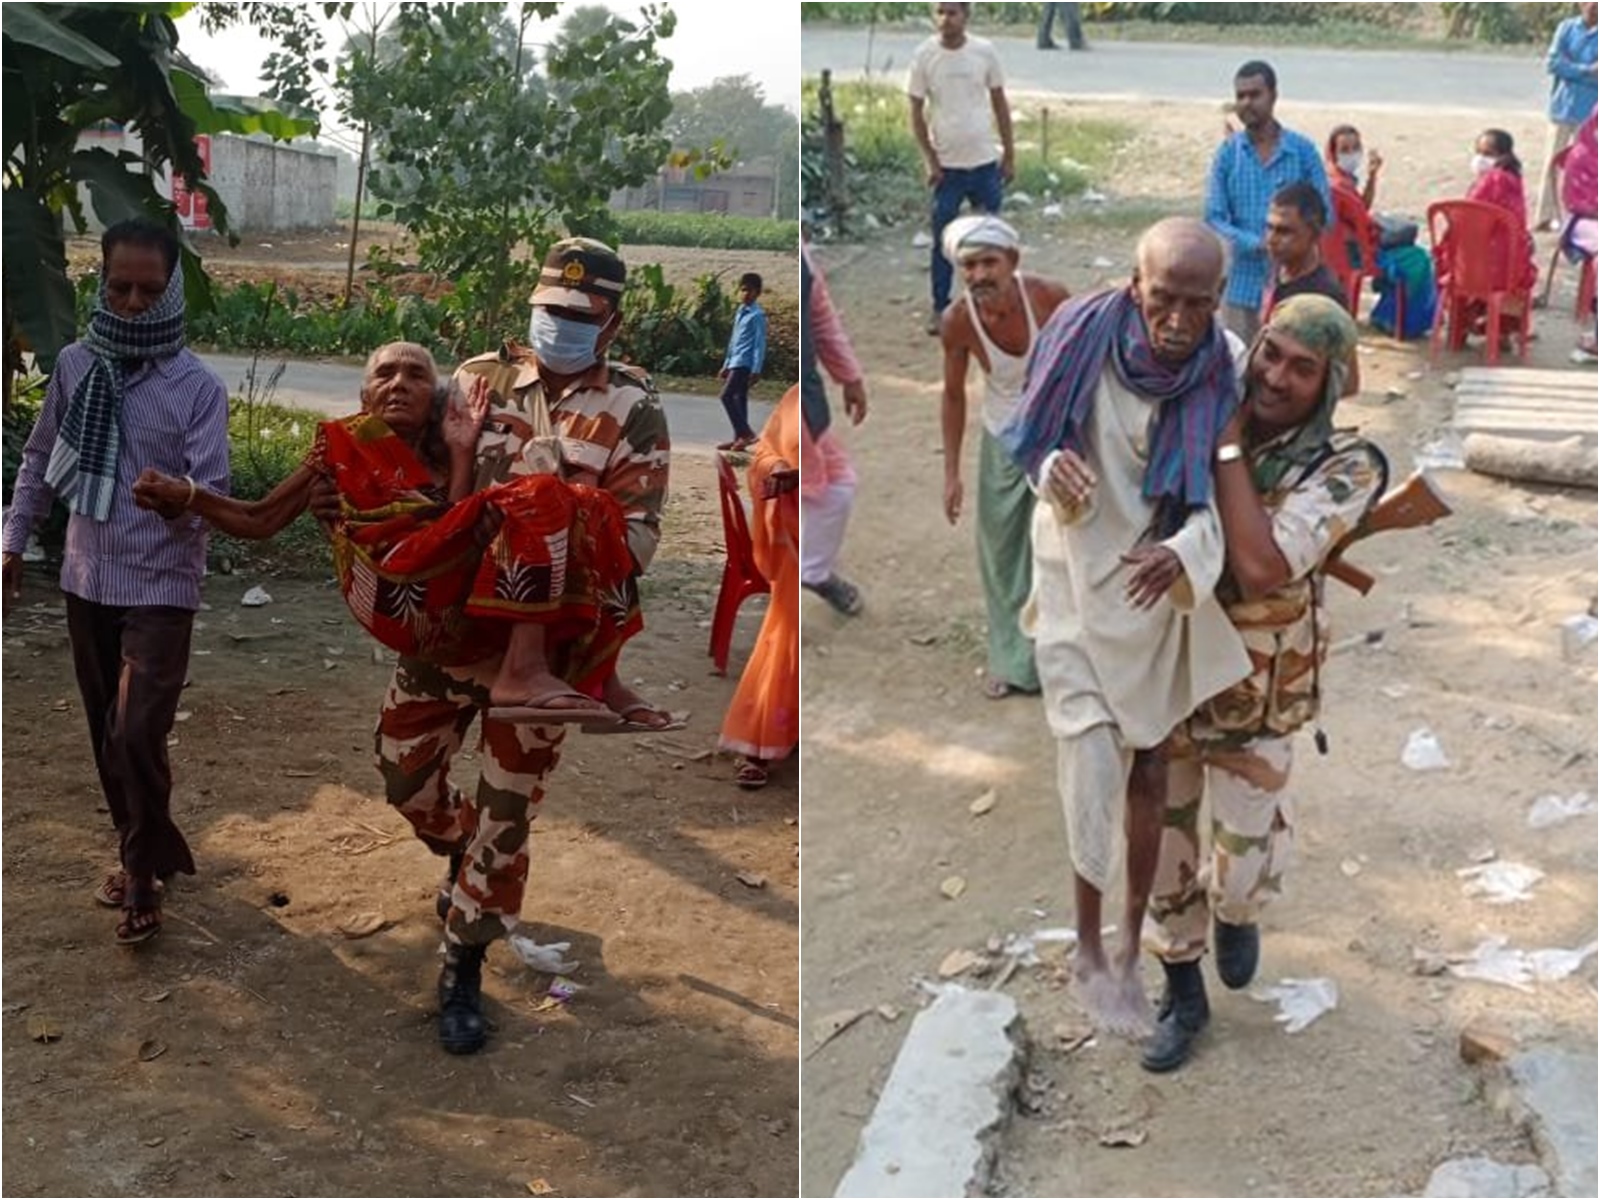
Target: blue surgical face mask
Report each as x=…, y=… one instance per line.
x=567, y=347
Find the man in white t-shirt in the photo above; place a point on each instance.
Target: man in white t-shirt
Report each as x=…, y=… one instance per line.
x=955, y=84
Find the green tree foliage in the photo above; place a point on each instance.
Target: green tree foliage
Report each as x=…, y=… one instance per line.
x=732, y=115
x=68, y=68
x=486, y=149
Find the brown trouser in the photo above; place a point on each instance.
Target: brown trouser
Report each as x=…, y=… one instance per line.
x=131, y=664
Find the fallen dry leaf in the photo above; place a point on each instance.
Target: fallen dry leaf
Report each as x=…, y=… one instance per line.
x=362, y=925
x=888, y=1012
x=1072, y=1035
x=44, y=1029
x=825, y=1029
x=1123, y=1137
x=751, y=879
x=958, y=962
x=155, y=1141
x=540, y=1187
x=953, y=887
x=151, y=1049
x=157, y=997
x=983, y=803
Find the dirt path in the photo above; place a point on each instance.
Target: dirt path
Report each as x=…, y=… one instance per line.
x=898, y=743
x=255, y=1050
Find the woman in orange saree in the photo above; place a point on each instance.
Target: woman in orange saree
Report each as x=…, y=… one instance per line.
x=763, y=721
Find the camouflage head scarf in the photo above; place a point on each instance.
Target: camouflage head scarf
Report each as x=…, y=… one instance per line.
x=1325, y=328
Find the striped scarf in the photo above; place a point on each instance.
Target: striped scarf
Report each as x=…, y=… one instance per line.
x=1193, y=399
x=83, y=462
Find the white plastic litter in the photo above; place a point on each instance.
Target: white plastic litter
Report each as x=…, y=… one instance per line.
x=1552, y=810
x=1495, y=962
x=1423, y=752
x=1102, y=263
x=1443, y=454
x=1578, y=633
x=1300, y=1001
x=921, y=240
x=1051, y=210
x=1024, y=947
x=1020, y=199
x=1500, y=882
x=548, y=959
x=1093, y=197
x=255, y=598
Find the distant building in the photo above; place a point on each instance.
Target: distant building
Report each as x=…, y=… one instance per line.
x=267, y=185
x=746, y=190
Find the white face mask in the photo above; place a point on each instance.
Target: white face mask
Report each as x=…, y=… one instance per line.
x=1350, y=162
x=1482, y=163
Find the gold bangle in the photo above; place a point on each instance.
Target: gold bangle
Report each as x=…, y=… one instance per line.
x=192, y=490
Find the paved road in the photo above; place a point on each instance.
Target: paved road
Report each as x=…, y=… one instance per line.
x=697, y=422
x=1165, y=71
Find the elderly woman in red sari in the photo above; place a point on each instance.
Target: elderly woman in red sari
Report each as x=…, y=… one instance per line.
x=433, y=570
x=763, y=721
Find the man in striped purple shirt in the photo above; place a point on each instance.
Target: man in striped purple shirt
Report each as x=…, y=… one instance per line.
x=126, y=396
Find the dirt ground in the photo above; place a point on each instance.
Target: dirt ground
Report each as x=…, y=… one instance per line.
x=254, y=1049
x=1466, y=640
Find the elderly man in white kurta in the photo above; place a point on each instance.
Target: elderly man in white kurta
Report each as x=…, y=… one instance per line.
x=1127, y=393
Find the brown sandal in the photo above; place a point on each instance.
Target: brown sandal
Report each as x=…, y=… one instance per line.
x=141, y=914
x=752, y=775
x=113, y=890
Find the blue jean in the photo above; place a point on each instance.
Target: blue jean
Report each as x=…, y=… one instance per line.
x=979, y=186
x=736, y=401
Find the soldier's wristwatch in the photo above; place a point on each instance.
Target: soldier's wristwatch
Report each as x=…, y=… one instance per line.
x=1229, y=452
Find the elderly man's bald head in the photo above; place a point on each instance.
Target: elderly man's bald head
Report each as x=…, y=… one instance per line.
x=1184, y=244
x=1177, y=284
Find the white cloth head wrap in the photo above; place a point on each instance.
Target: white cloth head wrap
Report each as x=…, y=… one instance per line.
x=969, y=233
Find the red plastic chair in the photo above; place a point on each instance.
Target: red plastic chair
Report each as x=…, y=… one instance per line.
x=741, y=578
x=1463, y=233
x=1585, y=270
x=1350, y=248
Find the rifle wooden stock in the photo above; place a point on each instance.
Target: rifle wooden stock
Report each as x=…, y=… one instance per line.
x=1415, y=503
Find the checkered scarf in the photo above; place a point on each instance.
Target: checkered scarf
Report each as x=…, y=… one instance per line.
x=83, y=463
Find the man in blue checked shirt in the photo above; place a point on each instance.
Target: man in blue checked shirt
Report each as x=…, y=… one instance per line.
x=1571, y=63
x=1249, y=167
x=747, y=351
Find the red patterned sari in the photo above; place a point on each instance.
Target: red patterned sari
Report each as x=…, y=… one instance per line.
x=417, y=577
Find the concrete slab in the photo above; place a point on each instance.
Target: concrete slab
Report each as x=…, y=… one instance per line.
x=948, y=1096
x=1486, y=1177
x=1557, y=1088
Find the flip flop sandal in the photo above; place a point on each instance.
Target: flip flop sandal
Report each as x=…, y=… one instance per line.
x=751, y=777
x=531, y=713
x=113, y=890
x=844, y=597
x=623, y=725
x=141, y=916
x=999, y=689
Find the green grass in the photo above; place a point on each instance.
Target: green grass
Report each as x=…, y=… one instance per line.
x=266, y=442
x=708, y=230
x=1058, y=154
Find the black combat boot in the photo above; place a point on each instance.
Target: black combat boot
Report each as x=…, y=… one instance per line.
x=441, y=904
x=461, y=1025
x=1184, y=1013
x=1238, y=952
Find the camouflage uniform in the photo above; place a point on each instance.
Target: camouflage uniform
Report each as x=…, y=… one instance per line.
x=611, y=432
x=1237, y=749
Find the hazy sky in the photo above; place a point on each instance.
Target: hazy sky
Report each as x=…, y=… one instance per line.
x=713, y=38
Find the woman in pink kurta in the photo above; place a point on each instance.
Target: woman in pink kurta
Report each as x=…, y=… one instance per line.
x=1499, y=182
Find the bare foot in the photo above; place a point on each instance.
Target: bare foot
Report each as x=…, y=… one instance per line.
x=1113, y=998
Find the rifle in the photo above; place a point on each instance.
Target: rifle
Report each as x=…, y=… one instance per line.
x=1415, y=503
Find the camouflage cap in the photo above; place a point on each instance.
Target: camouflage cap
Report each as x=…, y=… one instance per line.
x=576, y=272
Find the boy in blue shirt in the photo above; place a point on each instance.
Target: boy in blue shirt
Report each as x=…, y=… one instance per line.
x=747, y=351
